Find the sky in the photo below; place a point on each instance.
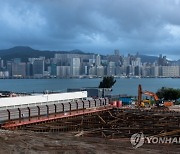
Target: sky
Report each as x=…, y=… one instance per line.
x=149, y=27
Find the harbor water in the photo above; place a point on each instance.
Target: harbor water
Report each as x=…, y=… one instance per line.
x=122, y=86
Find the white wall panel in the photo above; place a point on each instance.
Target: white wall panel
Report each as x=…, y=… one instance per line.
x=44, y=98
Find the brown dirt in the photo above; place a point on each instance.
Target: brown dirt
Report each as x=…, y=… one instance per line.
x=20, y=142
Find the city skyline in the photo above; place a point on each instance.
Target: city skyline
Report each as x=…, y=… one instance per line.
x=77, y=65
x=28, y=48
x=147, y=27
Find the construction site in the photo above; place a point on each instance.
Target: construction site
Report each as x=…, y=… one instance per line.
x=102, y=125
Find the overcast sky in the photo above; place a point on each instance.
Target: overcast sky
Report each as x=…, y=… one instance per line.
x=147, y=26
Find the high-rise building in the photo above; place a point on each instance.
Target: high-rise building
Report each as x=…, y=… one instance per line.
x=100, y=71
x=162, y=61
x=136, y=62
x=146, y=71
x=137, y=70
x=170, y=71
x=155, y=71
x=119, y=71
x=75, y=66
x=9, y=67
x=63, y=71
x=111, y=69
x=92, y=61
x=38, y=68
x=29, y=69
x=86, y=70
x=130, y=70
x=126, y=61
x=98, y=60
x=92, y=70
x=53, y=69
x=18, y=69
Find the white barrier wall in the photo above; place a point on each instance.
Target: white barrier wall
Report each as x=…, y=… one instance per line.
x=44, y=98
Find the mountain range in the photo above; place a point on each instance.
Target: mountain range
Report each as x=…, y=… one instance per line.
x=24, y=53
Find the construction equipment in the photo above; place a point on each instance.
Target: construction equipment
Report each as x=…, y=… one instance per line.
x=159, y=103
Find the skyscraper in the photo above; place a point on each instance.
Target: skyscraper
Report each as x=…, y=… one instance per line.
x=19, y=69
x=98, y=60
x=38, y=68
x=63, y=71
x=75, y=66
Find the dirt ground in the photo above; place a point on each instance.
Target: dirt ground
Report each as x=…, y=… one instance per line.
x=24, y=142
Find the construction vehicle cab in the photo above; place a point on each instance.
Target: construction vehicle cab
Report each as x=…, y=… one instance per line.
x=146, y=103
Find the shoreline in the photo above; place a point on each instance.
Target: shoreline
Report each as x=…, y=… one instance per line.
x=90, y=78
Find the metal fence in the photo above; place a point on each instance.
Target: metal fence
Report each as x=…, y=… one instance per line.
x=46, y=110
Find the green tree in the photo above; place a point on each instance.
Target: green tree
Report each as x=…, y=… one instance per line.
x=107, y=82
x=168, y=93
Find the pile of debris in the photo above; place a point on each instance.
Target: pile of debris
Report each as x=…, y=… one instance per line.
x=116, y=123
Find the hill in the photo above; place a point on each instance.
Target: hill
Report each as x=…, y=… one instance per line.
x=26, y=52
x=23, y=52
x=148, y=59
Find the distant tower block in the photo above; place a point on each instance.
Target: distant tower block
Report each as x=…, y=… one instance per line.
x=116, y=52
x=98, y=60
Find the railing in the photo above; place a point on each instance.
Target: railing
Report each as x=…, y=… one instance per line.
x=49, y=109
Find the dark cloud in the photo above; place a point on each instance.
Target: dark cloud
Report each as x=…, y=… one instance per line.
x=93, y=25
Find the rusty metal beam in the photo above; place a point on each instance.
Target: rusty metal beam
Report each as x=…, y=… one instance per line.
x=83, y=105
x=70, y=107
x=55, y=109
x=89, y=103
x=39, y=112
x=100, y=102
x=29, y=113
x=9, y=115
x=76, y=105
x=62, y=107
x=19, y=110
x=95, y=104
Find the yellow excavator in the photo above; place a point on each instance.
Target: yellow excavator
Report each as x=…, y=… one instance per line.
x=158, y=103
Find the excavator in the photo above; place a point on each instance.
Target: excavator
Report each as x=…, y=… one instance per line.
x=158, y=103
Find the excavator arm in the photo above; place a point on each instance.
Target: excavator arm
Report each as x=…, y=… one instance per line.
x=148, y=93
x=151, y=94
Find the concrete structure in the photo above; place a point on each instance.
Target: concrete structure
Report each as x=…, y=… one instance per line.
x=94, y=92
x=34, y=100
x=51, y=113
